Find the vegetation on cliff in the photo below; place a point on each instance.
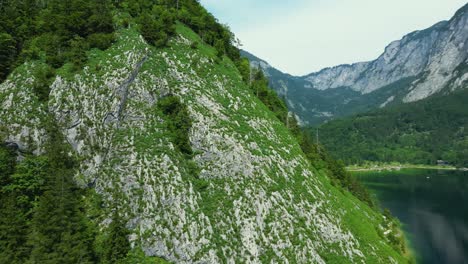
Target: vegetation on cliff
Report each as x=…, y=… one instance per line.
x=154, y=139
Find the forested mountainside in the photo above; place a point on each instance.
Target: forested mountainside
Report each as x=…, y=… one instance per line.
x=421, y=64
x=422, y=132
x=131, y=132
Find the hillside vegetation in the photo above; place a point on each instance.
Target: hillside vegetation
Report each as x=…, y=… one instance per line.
x=145, y=140
x=419, y=133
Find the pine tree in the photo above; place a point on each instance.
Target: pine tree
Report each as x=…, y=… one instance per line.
x=117, y=241
x=13, y=230
x=7, y=54
x=60, y=232
x=7, y=166
x=13, y=226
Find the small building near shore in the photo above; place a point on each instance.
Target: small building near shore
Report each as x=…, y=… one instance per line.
x=442, y=163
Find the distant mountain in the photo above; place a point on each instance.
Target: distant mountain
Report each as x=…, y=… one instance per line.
x=421, y=64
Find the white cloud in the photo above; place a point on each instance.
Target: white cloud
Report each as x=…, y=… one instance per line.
x=322, y=33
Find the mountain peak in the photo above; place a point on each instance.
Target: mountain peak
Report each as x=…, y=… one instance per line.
x=421, y=64
x=461, y=12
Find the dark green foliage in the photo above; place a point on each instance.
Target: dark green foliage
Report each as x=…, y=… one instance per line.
x=18, y=198
x=7, y=165
x=261, y=89
x=27, y=182
x=62, y=30
x=219, y=46
x=42, y=210
x=7, y=54
x=156, y=28
x=60, y=232
x=178, y=121
x=150, y=29
x=116, y=245
x=42, y=82
x=194, y=45
x=17, y=24
x=243, y=65
x=72, y=22
x=100, y=20
x=100, y=41
x=65, y=30
x=419, y=133
x=77, y=53
x=13, y=233
x=157, y=19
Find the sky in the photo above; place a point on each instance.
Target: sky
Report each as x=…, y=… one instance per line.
x=304, y=36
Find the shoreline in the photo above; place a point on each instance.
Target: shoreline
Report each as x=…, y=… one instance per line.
x=400, y=167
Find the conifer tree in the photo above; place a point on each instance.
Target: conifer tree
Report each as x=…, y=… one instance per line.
x=59, y=229
x=13, y=231
x=7, y=54
x=117, y=241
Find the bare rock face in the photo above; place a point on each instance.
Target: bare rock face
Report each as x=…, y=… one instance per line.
x=421, y=64
x=432, y=55
x=256, y=197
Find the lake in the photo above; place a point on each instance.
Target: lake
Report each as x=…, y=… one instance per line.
x=432, y=206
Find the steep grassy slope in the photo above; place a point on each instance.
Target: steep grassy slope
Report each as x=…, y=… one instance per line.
x=247, y=194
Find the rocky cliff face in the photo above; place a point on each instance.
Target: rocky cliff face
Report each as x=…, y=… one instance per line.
x=432, y=55
x=255, y=199
x=421, y=64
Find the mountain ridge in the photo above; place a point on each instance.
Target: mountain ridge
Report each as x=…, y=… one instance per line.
x=436, y=58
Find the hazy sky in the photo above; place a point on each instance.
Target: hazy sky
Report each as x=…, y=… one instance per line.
x=303, y=36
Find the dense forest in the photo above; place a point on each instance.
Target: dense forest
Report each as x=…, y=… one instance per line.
x=44, y=216
x=61, y=32
x=419, y=133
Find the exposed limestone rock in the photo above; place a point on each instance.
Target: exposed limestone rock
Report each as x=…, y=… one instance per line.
x=256, y=199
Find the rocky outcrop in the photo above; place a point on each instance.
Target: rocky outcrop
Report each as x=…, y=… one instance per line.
x=255, y=198
x=432, y=55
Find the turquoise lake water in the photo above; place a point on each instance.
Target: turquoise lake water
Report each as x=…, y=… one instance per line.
x=433, y=208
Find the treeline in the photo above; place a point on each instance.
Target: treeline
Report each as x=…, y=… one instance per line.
x=53, y=30
x=316, y=154
x=157, y=19
x=44, y=217
x=62, y=32
x=419, y=133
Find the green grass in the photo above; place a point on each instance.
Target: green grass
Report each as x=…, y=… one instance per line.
x=152, y=141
